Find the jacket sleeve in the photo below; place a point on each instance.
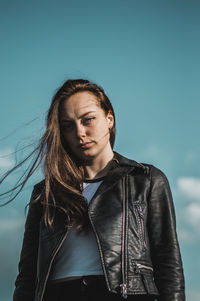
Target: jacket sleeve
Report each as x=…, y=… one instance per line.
x=165, y=250
x=26, y=279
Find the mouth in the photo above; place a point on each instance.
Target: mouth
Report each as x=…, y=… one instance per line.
x=85, y=145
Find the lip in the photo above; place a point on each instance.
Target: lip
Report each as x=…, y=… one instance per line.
x=85, y=145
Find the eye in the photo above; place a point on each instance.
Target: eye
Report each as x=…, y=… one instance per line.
x=88, y=120
x=67, y=126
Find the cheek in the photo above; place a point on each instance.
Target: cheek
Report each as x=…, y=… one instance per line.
x=67, y=137
x=104, y=127
x=102, y=133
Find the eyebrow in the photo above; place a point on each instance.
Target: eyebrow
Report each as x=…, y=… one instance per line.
x=81, y=116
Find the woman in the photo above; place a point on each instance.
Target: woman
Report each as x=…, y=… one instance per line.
x=99, y=225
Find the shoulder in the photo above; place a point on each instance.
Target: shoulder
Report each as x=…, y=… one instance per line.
x=130, y=164
x=158, y=180
x=154, y=171
x=36, y=196
x=151, y=171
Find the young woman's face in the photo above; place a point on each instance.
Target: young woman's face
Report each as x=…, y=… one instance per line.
x=85, y=126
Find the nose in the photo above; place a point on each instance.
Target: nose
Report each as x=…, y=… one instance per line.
x=80, y=131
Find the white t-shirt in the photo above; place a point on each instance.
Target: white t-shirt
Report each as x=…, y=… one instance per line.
x=79, y=254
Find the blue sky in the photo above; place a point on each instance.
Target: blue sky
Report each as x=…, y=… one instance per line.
x=145, y=54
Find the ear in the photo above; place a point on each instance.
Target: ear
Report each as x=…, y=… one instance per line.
x=110, y=119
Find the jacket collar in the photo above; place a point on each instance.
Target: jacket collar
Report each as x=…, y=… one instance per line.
x=121, y=167
x=123, y=161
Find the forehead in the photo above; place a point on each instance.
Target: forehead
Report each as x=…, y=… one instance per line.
x=78, y=104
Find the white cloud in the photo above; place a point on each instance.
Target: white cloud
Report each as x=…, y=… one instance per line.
x=190, y=223
x=192, y=213
x=190, y=187
x=6, y=160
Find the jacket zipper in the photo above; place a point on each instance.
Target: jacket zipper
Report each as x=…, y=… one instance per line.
x=123, y=285
x=141, y=219
x=99, y=247
x=139, y=266
x=54, y=254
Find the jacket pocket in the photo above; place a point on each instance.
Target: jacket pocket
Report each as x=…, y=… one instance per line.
x=146, y=273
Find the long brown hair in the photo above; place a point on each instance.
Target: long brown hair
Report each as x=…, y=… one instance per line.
x=63, y=172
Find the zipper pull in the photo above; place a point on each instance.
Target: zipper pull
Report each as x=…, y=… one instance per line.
x=123, y=290
x=137, y=268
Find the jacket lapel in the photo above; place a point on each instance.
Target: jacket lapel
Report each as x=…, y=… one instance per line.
x=121, y=167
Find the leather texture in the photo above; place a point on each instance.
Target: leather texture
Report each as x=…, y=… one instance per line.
x=132, y=215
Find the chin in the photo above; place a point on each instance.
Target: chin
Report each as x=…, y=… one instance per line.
x=87, y=155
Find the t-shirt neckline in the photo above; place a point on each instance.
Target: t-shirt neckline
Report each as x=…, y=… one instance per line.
x=94, y=180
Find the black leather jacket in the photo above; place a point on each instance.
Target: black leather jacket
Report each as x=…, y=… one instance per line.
x=133, y=218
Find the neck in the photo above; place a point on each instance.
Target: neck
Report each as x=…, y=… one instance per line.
x=98, y=166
